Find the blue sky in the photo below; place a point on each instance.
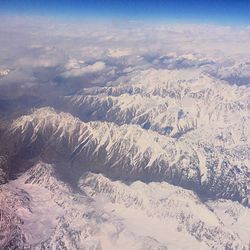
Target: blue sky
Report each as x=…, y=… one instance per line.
x=209, y=11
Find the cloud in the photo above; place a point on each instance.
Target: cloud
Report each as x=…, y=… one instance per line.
x=59, y=55
x=78, y=69
x=117, y=53
x=4, y=72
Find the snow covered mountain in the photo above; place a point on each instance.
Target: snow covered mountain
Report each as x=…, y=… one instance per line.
x=166, y=149
x=238, y=74
x=108, y=214
x=167, y=101
x=130, y=153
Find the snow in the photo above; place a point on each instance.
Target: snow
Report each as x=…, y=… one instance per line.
x=107, y=214
x=185, y=148
x=234, y=216
x=37, y=224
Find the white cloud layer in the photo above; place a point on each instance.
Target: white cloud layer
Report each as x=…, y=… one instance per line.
x=59, y=53
x=76, y=69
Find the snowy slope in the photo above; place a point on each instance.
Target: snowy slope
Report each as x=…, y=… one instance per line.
x=168, y=101
x=130, y=153
x=104, y=214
